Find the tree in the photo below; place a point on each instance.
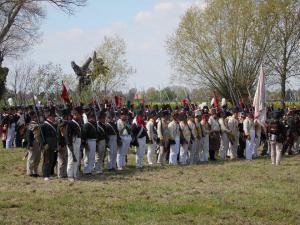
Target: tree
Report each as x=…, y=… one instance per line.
x=222, y=47
x=284, y=57
x=112, y=51
x=19, y=26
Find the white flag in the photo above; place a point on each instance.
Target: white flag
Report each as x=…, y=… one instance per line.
x=259, y=102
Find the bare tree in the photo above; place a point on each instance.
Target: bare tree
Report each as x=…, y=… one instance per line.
x=113, y=53
x=222, y=46
x=284, y=57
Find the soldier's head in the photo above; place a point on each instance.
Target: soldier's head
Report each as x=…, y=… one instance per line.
x=175, y=116
x=124, y=114
x=77, y=113
x=235, y=112
x=101, y=116
x=91, y=116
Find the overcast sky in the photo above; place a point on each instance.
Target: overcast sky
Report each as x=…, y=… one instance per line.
x=144, y=24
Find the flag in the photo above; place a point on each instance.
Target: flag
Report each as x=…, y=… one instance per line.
x=259, y=102
x=216, y=101
x=118, y=101
x=64, y=93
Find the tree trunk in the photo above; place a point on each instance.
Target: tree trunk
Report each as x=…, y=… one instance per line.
x=283, y=83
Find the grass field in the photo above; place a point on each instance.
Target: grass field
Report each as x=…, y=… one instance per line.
x=236, y=192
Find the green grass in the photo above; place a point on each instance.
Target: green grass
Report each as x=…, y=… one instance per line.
x=236, y=192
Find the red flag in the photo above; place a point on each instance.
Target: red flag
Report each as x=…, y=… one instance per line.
x=216, y=102
x=118, y=101
x=64, y=93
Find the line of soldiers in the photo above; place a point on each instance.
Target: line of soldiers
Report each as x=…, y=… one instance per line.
x=63, y=137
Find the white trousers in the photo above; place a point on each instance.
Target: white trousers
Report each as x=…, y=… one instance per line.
x=276, y=149
x=233, y=147
x=256, y=146
x=123, y=151
x=151, y=152
x=112, y=151
x=10, y=136
x=73, y=167
x=174, y=150
x=89, y=156
x=224, y=146
x=184, y=154
x=162, y=153
x=100, y=154
x=250, y=145
x=194, y=152
x=140, y=151
x=205, y=149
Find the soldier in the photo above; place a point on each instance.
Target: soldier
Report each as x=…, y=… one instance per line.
x=73, y=139
x=163, y=136
x=101, y=143
x=33, y=146
x=48, y=140
x=258, y=130
x=89, y=136
x=125, y=135
x=225, y=132
x=214, y=135
x=205, y=138
x=186, y=135
x=242, y=138
x=139, y=134
x=152, y=134
x=62, y=157
x=192, y=150
x=113, y=142
x=174, y=139
x=233, y=125
x=249, y=131
x=276, y=134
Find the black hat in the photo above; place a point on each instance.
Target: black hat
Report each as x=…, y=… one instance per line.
x=101, y=114
x=77, y=109
x=276, y=115
x=124, y=111
x=91, y=114
x=110, y=114
x=49, y=112
x=151, y=114
x=164, y=113
x=182, y=116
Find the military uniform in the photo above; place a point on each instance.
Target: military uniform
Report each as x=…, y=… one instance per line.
x=225, y=132
x=139, y=134
x=233, y=125
x=101, y=147
x=62, y=156
x=249, y=131
x=151, y=131
x=113, y=135
x=186, y=135
x=194, y=146
x=276, y=134
x=34, y=149
x=124, y=132
x=205, y=140
x=214, y=137
x=174, y=141
x=89, y=136
x=163, y=136
x=48, y=140
x=73, y=138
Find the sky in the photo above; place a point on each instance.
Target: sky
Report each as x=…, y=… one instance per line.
x=143, y=24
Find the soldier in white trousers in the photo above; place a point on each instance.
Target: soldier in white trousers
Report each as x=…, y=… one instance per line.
x=233, y=125
x=89, y=136
x=225, y=132
x=174, y=139
x=139, y=134
x=206, y=132
x=152, y=135
x=193, y=150
x=249, y=131
x=101, y=143
x=186, y=135
x=276, y=134
x=124, y=132
x=163, y=137
x=113, y=136
x=73, y=139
